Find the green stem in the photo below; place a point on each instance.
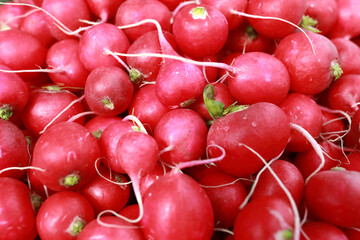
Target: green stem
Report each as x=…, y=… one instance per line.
x=70, y=180
x=6, y=112
x=336, y=70
x=76, y=226
x=108, y=103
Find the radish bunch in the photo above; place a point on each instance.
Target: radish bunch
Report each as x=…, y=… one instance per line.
x=172, y=120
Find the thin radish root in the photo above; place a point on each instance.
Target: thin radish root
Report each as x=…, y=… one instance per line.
x=40, y=70
x=77, y=116
x=227, y=184
x=297, y=225
x=21, y=168
x=224, y=230
x=180, y=6
x=278, y=19
x=64, y=110
x=105, y=178
x=136, y=121
x=314, y=144
x=108, y=52
x=4, y=24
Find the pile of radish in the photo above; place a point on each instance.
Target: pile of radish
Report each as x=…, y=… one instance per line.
x=180, y=120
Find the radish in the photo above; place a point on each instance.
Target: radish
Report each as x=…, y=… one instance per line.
x=64, y=55
x=67, y=152
x=268, y=217
x=108, y=90
x=13, y=94
x=146, y=106
x=68, y=12
x=13, y=149
x=20, y=51
x=304, y=111
x=120, y=229
x=98, y=124
x=351, y=161
x=105, y=10
x=11, y=16
x=181, y=136
x=255, y=127
x=67, y=212
x=158, y=171
x=96, y=40
x=309, y=73
x=352, y=139
x=322, y=231
x=187, y=206
x=16, y=210
x=250, y=85
x=274, y=8
x=331, y=196
x=333, y=127
x=200, y=30
x=345, y=93
x=133, y=11
x=349, y=54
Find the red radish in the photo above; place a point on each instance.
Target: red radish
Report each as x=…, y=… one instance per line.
x=149, y=42
x=226, y=194
x=67, y=212
x=98, y=124
x=37, y=187
x=275, y=8
x=345, y=25
x=200, y=30
x=105, y=10
x=13, y=94
x=158, y=171
x=108, y=90
x=226, y=6
x=250, y=85
x=345, y=93
x=332, y=196
x=96, y=40
x=44, y=105
x=109, y=140
x=352, y=139
x=246, y=39
x=352, y=233
x=36, y=24
x=64, y=55
x=16, y=210
x=10, y=16
x=13, y=149
x=198, y=172
x=255, y=127
x=187, y=207
x=67, y=152
x=103, y=194
x=303, y=111
x=324, y=12
x=146, y=106
x=20, y=51
x=288, y=174
x=181, y=135
x=349, y=54
x=322, y=231
x=133, y=11
x=351, y=161
x=307, y=162
x=264, y=218
x=310, y=72
x=333, y=127
x=120, y=229
x=221, y=94
x=68, y=12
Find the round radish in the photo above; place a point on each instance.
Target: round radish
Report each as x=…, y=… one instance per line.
x=352, y=139
x=322, y=231
x=9, y=16
x=108, y=90
x=158, y=171
x=105, y=10
x=262, y=126
x=67, y=212
x=98, y=124
x=67, y=152
x=181, y=133
x=349, y=54
x=310, y=72
x=175, y=204
x=200, y=30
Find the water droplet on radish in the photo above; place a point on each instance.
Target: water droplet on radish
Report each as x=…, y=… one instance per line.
x=254, y=124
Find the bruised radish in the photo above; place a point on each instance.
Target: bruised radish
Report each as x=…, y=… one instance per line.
x=20, y=51
x=64, y=55
x=67, y=152
x=303, y=111
x=97, y=40
x=13, y=149
x=105, y=10
x=68, y=12
x=181, y=135
x=67, y=212
x=332, y=196
x=17, y=216
x=174, y=204
x=13, y=94
x=262, y=126
x=268, y=217
x=133, y=11
x=108, y=90
x=200, y=30
x=310, y=72
x=279, y=9
x=250, y=85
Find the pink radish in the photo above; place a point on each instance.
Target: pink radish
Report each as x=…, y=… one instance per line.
x=105, y=10
x=98, y=124
x=349, y=54
x=11, y=16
